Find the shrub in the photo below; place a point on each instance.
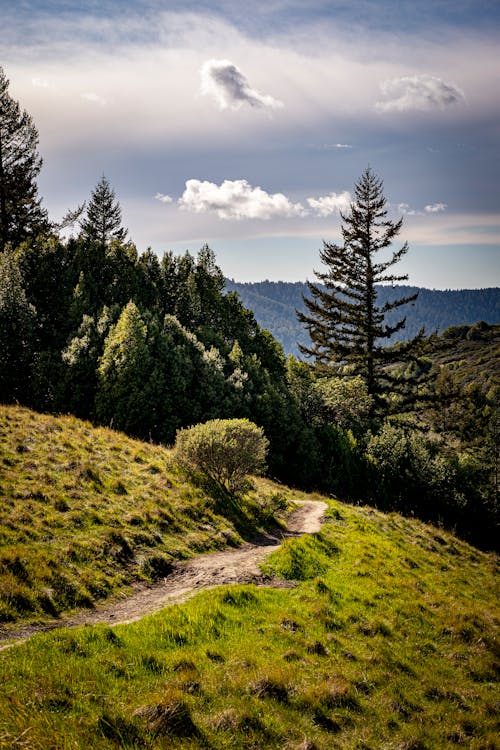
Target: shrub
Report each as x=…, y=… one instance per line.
x=223, y=450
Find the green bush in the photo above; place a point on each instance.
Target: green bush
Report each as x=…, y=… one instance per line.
x=223, y=450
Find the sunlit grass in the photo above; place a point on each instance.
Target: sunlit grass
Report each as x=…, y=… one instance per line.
x=392, y=646
x=86, y=512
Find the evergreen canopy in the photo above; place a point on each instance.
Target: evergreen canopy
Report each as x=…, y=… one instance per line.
x=103, y=217
x=21, y=214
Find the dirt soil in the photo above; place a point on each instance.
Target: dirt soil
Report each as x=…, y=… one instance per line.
x=240, y=565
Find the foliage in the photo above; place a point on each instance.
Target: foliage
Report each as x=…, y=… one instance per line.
x=21, y=214
x=17, y=330
x=275, y=305
x=151, y=345
x=123, y=370
x=224, y=450
x=102, y=220
x=344, y=322
x=87, y=511
x=393, y=646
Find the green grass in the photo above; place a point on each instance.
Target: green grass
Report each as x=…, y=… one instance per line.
x=85, y=512
x=387, y=642
x=392, y=646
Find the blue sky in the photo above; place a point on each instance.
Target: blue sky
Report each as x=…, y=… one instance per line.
x=246, y=125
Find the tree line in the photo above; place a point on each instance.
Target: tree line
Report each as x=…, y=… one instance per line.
x=274, y=304
x=150, y=345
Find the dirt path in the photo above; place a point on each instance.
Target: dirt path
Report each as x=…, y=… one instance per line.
x=240, y=565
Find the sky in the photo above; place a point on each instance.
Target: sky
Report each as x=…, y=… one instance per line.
x=246, y=125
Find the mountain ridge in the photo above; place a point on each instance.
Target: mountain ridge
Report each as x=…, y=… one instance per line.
x=274, y=304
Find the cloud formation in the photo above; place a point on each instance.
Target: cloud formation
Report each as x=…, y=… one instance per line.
x=330, y=204
x=90, y=96
x=236, y=199
x=430, y=208
x=435, y=208
x=418, y=92
x=163, y=198
x=42, y=83
x=227, y=85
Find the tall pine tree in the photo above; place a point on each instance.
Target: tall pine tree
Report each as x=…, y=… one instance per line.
x=346, y=325
x=103, y=217
x=21, y=214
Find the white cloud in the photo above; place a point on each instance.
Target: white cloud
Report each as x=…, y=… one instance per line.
x=430, y=208
x=330, y=204
x=90, y=96
x=163, y=198
x=42, y=83
x=236, y=199
x=227, y=85
x=328, y=146
x=435, y=208
x=405, y=208
x=418, y=92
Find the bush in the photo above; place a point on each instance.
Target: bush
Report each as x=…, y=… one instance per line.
x=223, y=450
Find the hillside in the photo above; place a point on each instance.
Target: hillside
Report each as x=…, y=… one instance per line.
x=274, y=304
x=87, y=511
x=471, y=353
x=387, y=637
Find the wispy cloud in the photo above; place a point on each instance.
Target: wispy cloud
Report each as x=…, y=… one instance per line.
x=330, y=204
x=236, y=199
x=227, y=85
x=163, y=198
x=328, y=146
x=418, y=92
x=435, y=208
x=42, y=83
x=430, y=208
x=405, y=208
x=90, y=96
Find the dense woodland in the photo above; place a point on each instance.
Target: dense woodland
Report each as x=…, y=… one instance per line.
x=147, y=344
x=275, y=305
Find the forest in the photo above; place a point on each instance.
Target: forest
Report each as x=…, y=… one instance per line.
x=92, y=327
x=275, y=305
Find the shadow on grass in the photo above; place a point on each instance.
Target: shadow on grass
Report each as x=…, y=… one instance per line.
x=254, y=522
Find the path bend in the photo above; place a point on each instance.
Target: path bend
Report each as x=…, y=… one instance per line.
x=228, y=566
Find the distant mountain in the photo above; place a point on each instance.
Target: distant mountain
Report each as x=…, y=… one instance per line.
x=274, y=304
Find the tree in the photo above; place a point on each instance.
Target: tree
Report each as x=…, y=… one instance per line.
x=122, y=372
x=103, y=216
x=346, y=325
x=17, y=330
x=223, y=450
x=21, y=215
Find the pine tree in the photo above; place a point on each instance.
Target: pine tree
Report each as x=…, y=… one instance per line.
x=122, y=372
x=17, y=331
x=21, y=215
x=103, y=216
x=346, y=325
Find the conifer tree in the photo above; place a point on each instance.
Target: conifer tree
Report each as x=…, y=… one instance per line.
x=21, y=215
x=103, y=216
x=17, y=330
x=122, y=372
x=346, y=325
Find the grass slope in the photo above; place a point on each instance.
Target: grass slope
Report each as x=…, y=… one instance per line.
x=471, y=353
x=388, y=641
x=86, y=512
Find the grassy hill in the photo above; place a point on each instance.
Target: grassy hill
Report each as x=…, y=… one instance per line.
x=87, y=511
x=471, y=353
x=388, y=640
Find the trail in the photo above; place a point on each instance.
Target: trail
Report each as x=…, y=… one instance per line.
x=235, y=565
